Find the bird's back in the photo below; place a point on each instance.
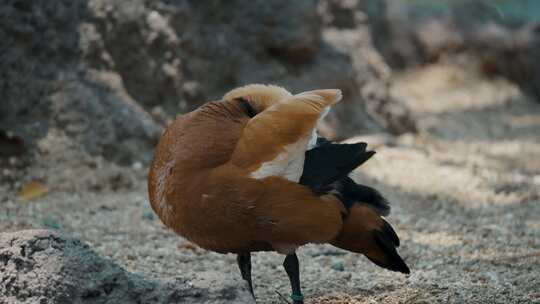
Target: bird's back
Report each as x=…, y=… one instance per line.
x=225, y=176
x=189, y=148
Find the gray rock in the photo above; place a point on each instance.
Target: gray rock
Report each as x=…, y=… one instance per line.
x=502, y=35
x=45, y=82
x=95, y=69
x=511, y=53
x=41, y=266
x=96, y=112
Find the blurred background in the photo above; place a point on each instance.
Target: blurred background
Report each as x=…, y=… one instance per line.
x=447, y=92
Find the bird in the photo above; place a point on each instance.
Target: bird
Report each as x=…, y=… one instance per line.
x=249, y=173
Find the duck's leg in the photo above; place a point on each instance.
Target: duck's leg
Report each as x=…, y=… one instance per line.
x=244, y=263
x=293, y=271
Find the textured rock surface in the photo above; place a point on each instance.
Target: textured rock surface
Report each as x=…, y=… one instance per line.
x=41, y=266
x=512, y=53
x=110, y=74
x=347, y=30
x=465, y=194
x=46, y=83
x=503, y=35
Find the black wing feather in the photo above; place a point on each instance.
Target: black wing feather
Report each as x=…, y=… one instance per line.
x=329, y=163
x=327, y=166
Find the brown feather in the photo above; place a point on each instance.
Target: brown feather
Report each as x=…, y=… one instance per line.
x=286, y=122
x=193, y=143
x=362, y=231
x=199, y=182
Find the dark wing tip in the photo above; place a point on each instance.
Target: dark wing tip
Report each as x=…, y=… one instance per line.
x=329, y=162
x=361, y=145
x=394, y=261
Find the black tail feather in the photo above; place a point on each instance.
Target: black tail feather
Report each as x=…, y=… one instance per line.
x=331, y=162
x=394, y=261
x=327, y=167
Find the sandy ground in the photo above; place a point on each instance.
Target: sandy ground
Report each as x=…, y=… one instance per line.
x=465, y=193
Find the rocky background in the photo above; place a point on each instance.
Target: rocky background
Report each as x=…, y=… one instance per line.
x=447, y=92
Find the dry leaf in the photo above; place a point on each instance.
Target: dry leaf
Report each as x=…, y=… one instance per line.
x=32, y=190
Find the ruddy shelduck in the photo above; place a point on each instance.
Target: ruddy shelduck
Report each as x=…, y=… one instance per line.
x=249, y=173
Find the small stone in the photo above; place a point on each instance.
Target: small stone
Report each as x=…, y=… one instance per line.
x=75, y=269
x=148, y=215
x=50, y=222
x=137, y=165
x=42, y=244
x=338, y=266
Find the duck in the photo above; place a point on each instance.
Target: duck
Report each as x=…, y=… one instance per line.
x=249, y=173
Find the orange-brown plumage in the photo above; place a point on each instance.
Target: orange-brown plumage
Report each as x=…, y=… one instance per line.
x=226, y=177
x=200, y=184
x=365, y=231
